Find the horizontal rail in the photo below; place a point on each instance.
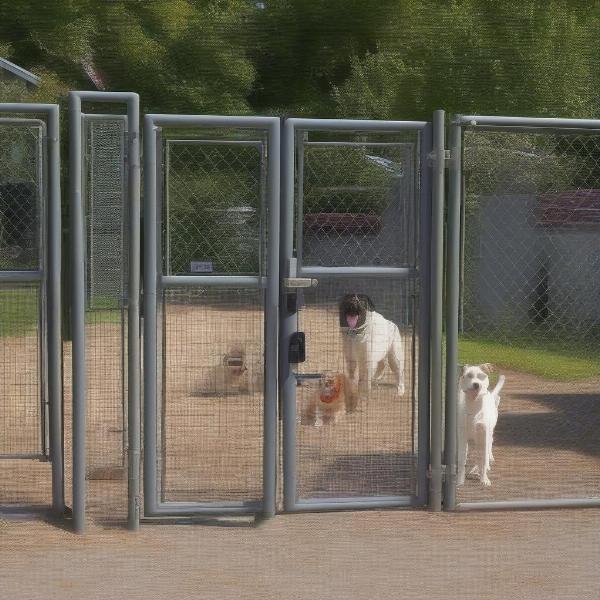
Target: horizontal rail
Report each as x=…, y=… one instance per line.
x=529, y=504
x=204, y=121
x=476, y=120
x=170, y=509
x=318, y=504
x=20, y=276
x=398, y=272
x=354, y=125
x=104, y=117
x=357, y=144
x=255, y=143
x=213, y=280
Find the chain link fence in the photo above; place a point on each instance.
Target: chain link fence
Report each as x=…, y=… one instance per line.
x=106, y=214
x=23, y=424
x=357, y=205
x=530, y=304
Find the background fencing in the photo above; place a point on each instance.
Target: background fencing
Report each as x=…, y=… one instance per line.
x=529, y=299
x=31, y=440
x=356, y=223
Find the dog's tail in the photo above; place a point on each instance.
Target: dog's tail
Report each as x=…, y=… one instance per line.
x=499, y=386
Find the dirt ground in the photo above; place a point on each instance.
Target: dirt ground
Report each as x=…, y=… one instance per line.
x=546, y=446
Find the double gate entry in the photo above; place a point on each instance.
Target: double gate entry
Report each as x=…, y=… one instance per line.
x=244, y=276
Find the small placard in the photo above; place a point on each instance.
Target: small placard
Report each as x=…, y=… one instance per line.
x=201, y=266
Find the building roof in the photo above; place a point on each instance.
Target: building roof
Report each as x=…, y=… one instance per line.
x=19, y=72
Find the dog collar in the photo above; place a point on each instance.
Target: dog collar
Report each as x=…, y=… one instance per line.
x=356, y=331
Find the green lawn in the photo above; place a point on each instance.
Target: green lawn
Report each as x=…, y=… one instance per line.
x=19, y=311
x=547, y=359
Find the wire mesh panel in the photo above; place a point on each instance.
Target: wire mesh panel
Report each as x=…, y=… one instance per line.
x=213, y=220
x=356, y=410
x=21, y=214
x=211, y=336
x=23, y=432
x=106, y=214
x=371, y=450
x=211, y=423
x=530, y=299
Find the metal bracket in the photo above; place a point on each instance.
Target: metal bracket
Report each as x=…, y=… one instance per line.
x=299, y=282
x=432, y=156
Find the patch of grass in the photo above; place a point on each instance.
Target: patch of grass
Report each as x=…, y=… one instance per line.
x=547, y=359
x=19, y=310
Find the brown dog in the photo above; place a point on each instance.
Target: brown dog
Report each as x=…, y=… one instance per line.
x=328, y=402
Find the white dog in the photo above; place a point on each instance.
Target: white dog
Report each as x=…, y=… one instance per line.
x=477, y=418
x=369, y=341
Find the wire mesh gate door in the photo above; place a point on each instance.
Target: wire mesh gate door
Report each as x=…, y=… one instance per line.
x=210, y=314
x=524, y=294
x=31, y=445
x=354, y=337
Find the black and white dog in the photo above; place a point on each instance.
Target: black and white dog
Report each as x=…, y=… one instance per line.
x=369, y=341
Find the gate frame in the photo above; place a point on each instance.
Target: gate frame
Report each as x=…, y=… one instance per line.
x=49, y=276
x=78, y=300
x=154, y=279
x=430, y=307
x=453, y=270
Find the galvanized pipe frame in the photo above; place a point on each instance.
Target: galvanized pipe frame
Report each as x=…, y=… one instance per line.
x=155, y=282
x=131, y=100
x=292, y=151
x=50, y=283
x=453, y=274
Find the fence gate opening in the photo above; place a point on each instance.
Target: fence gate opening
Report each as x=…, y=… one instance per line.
x=524, y=294
x=31, y=445
x=355, y=313
x=210, y=314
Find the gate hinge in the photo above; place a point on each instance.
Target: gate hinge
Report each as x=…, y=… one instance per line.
x=447, y=156
x=444, y=470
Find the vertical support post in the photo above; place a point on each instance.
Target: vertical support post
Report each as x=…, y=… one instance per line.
x=288, y=319
x=77, y=311
x=437, y=256
x=133, y=323
x=150, y=291
x=271, y=327
x=54, y=340
x=452, y=305
x=423, y=455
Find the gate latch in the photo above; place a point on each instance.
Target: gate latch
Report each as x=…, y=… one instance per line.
x=299, y=282
x=297, y=351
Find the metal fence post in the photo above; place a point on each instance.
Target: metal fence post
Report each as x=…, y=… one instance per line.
x=452, y=306
x=271, y=327
x=55, y=372
x=288, y=322
x=437, y=257
x=133, y=314
x=77, y=312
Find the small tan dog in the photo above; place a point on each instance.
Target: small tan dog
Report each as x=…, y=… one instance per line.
x=328, y=402
x=233, y=375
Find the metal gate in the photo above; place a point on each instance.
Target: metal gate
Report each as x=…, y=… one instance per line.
x=105, y=272
x=356, y=223
x=523, y=293
x=30, y=312
x=211, y=223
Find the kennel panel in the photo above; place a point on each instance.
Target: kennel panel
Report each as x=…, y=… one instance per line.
x=107, y=241
x=357, y=220
x=212, y=379
x=373, y=451
x=529, y=304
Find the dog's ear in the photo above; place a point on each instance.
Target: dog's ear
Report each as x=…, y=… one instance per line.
x=487, y=368
x=367, y=302
x=463, y=371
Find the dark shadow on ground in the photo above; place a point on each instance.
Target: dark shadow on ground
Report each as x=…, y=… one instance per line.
x=573, y=424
